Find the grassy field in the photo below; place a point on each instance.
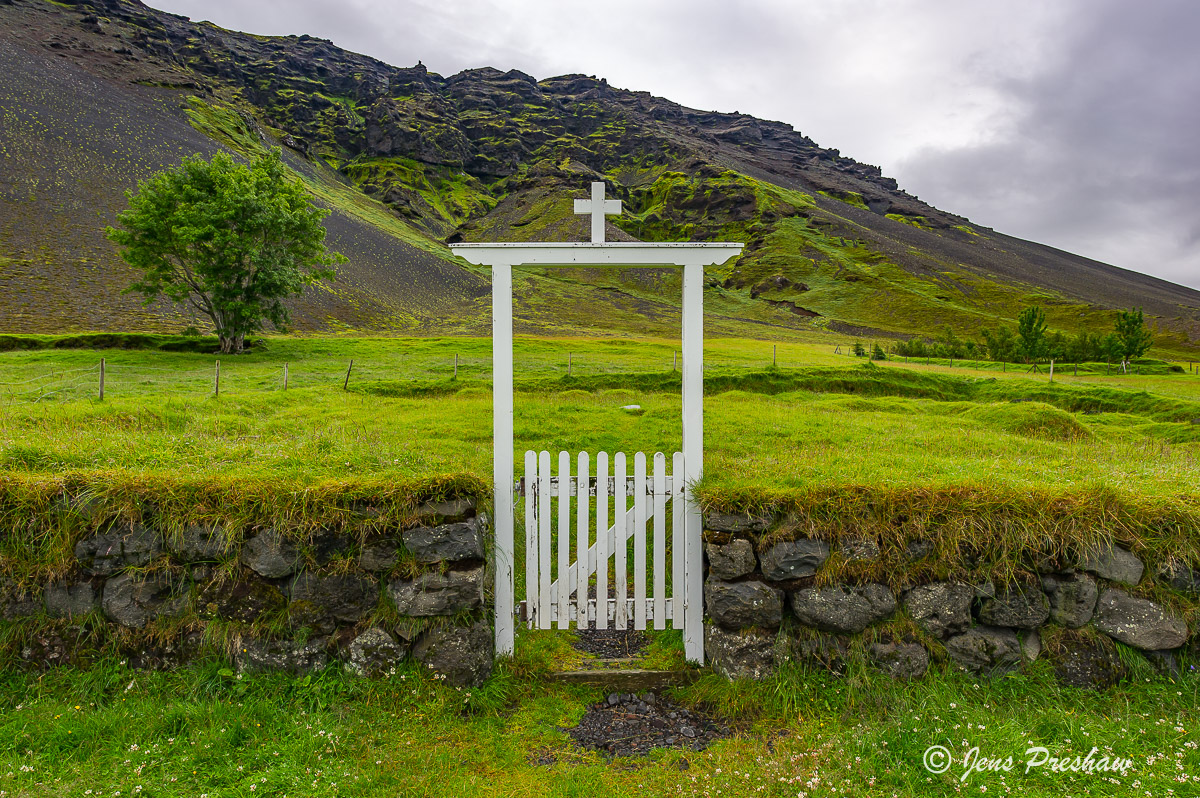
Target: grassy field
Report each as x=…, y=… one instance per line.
x=111, y=731
x=819, y=419
x=821, y=427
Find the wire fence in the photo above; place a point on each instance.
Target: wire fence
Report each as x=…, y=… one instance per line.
x=46, y=382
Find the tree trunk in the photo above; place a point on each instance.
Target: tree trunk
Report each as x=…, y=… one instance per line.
x=232, y=344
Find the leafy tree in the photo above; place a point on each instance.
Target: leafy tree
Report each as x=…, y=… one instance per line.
x=231, y=240
x=1031, y=332
x=1001, y=344
x=1111, y=347
x=951, y=345
x=859, y=350
x=1131, y=330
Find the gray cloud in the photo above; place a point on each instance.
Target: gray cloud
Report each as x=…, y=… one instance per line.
x=1072, y=123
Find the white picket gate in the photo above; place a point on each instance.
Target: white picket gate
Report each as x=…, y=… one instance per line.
x=583, y=541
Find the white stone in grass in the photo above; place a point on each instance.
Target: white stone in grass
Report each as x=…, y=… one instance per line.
x=635, y=410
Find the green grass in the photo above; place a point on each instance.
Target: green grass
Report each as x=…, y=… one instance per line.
x=202, y=730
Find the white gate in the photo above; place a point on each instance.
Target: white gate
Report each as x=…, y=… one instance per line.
x=610, y=509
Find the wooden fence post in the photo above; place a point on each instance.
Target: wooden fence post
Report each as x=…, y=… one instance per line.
x=568, y=364
x=674, y=355
x=217, y=380
x=456, y=365
x=346, y=384
x=1051, y=369
x=285, y=376
x=101, y=379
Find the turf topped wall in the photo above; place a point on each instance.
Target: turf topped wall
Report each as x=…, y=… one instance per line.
x=269, y=575
x=1097, y=589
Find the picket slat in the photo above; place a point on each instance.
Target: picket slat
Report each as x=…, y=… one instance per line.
x=543, y=608
x=564, y=543
x=602, y=533
x=660, y=540
x=678, y=540
x=582, y=543
x=620, y=566
x=639, y=540
x=532, y=483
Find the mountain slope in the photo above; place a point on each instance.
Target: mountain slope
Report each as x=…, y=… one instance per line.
x=105, y=91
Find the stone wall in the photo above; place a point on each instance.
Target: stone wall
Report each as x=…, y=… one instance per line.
x=369, y=597
x=772, y=598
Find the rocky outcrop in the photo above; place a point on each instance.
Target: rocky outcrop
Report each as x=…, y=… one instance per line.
x=460, y=655
x=793, y=559
x=119, y=548
x=269, y=554
x=374, y=652
x=1114, y=564
x=732, y=560
x=734, y=605
x=744, y=654
x=1072, y=598
x=1138, y=622
x=843, y=609
x=942, y=609
x=438, y=594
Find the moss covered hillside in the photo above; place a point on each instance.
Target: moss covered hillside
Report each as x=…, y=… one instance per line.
x=100, y=93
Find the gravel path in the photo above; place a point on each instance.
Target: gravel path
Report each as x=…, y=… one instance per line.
x=624, y=724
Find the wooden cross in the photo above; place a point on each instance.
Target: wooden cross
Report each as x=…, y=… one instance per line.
x=598, y=207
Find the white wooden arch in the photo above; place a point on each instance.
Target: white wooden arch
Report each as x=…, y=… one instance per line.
x=502, y=258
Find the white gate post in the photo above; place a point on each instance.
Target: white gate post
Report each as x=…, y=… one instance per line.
x=502, y=452
x=693, y=456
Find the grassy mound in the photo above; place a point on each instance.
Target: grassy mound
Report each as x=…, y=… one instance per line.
x=1035, y=419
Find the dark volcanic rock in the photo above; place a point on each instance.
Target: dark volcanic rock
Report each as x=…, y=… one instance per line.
x=745, y=654
x=446, y=512
x=132, y=601
x=378, y=556
x=1082, y=660
x=1114, y=563
x=1180, y=576
x=243, y=600
x=986, y=650
x=736, y=524
x=738, y=604
x=67, y=600
x=1072, y=598
x=1138, y=622
x=843, y=609
x=942, y=608
x=120, y=547
x=732, y=560
x=251, y=655
x=345, y=597
x=199, y=544
x=793, y=558
x=270, y=555
x=1024, y=607
x=903, y=661
x=374, y=653
x=438, y=594
x=461, y=655
x=445, y=543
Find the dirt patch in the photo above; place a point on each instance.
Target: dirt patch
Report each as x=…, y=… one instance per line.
x=624, y=724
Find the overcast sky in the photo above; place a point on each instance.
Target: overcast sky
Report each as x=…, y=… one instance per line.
x=1075, y=123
